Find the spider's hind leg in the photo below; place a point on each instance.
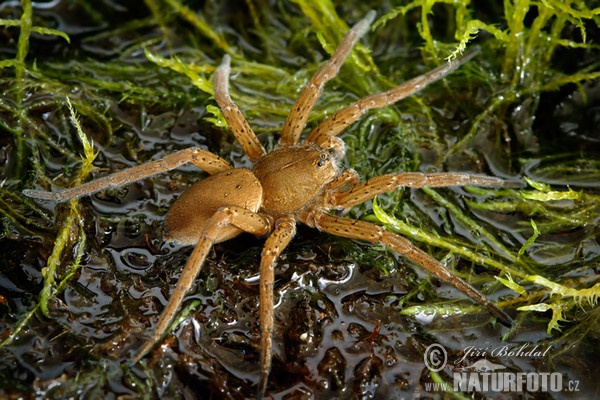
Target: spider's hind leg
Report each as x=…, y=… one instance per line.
x=285, y=229
x=245, y=220
x=361, y=230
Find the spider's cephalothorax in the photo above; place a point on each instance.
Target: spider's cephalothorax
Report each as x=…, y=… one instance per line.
x=294, y=176
x=294, y=183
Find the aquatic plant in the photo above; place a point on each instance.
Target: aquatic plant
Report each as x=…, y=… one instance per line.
x=139, y=83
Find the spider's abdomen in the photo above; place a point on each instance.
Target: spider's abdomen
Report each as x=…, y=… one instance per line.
x=292, y=177
x=190, y=212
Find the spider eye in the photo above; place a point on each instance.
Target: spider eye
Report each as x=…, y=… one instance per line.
x=322, y=160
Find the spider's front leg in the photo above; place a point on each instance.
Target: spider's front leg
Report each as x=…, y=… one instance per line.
x=296, y=119
x=246, y=220
x=336, y=123
x=361, y=230
x=359, y=193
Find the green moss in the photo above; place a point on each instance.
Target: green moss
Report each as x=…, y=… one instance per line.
x=141, y=88
x=19, y=88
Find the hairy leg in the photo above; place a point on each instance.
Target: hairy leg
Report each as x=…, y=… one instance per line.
x=300, y=111
x=361, y=230
x=238, y=124
x=247, y=221
x=364, y=191
x=339, y=121
x=285, y=229
x=206, y=160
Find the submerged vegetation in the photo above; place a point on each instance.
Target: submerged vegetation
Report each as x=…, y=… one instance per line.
x=90, y=90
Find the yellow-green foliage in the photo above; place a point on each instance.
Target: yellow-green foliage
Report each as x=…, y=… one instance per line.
x=555, y=210
x=512, y=71
x=71, y=231
x=70, y=239
x=526, y=49
x=26, y=27
x=559, y=305
x=522, y=71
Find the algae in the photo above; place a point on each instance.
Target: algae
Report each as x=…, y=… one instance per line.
x=81, y=282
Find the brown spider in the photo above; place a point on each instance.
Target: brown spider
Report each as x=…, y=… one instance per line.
x=294, y=183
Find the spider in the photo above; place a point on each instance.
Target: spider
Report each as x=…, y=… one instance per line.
x=294, y=183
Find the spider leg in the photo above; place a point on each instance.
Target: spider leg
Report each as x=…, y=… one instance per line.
x=203, y=159
x=348, y=178
x=339, y=121
x=285, y=229
x=361, y=230
x=385, y=183
x=298, y=115
x=246, y=220
x=238, y=124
